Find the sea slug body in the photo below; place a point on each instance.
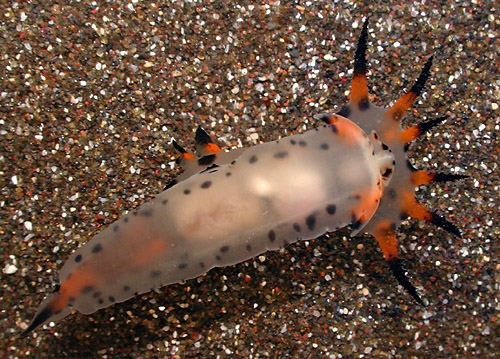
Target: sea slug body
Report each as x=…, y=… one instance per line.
x=228, y=207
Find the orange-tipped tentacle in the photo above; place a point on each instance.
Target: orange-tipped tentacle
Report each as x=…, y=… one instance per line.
x=204, y=143
x=400, y=275
x=417, y=210
x=359, y=88
x=427, y=125
x=185, y=155
x=397, y=111
x=409, y=134
x=421, y=177
x=385, y=235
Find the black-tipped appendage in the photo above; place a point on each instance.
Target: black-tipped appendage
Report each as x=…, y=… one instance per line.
x=443, y=223
x=178, y=147
x=428, y=125
x=360, y=66
x=447, y=177
x=418, y=86
x=39, y=319
x=397, y=270
x=202, y=137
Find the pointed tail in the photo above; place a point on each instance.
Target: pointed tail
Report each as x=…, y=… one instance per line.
x=52, y=309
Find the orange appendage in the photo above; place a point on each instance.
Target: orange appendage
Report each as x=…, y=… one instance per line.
x=188, y=156
x=409, y=134
x=386, y=237
x=422, y=177
x=211, y=148
x=413, y=208
x=397, y=111
x=359, y=89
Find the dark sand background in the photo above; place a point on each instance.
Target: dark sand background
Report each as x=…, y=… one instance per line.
x=91, y=95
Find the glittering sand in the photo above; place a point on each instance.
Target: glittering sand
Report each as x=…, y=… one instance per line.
x=91, y=97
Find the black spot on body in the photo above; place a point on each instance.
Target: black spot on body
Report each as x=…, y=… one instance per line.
x=293, y=142
x=364, y=104
x=125, y=219
x=126, y=288
x=206, y=160
x=331, y=209
x=391, y=193
x=228, y=174
x=87, y=289
x=302, y=143
x=334, y=128
x=385, y=147
x=187, y=191
x=296, y=226
x=324, y=146
x=147, y=212
x=183, y=266
x=311, y=221
x=97, y=248
x=155, y=273
x=57, y=312
x=271, y=235
x=164, y=202
x=206, y=184
x=111, y=299
x=224, y=249
x=78, y=258
x=253, y=159
x=100, y=301
x=281, y=155
x=202, y=265
x=249, y=247
x=218, y=257
x=96, y=294
x=71, y=299
x=115, y=228
x=233, y=162
x=345, y=111
x=134, y=213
